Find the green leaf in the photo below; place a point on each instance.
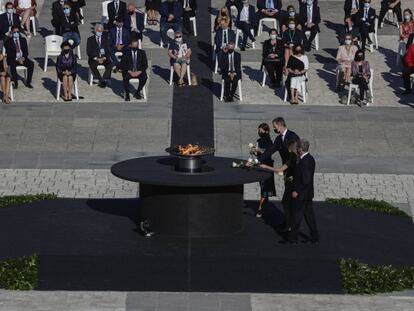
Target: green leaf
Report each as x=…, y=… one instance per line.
x=19, y=273
x=368, y=204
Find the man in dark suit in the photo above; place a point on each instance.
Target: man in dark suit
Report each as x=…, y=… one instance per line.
x=352, y=7
x=119, y=38
x=171, y=18
x=57, y=16
x=310, y=18
x=17, y=55
x=349, y=28
x=230, y=68
x=303, y=193
x=189, y=10
x=223, y=37
x=134, y=64
x=134, y=22
x=268, y=9
x=366, y=22
x=97, y=48
x=115, y=8
x=8, y=20
x=246, y=21
x=280, y=143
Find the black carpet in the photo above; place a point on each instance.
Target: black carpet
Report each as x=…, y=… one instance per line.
x=93, y=245
x=193, y=110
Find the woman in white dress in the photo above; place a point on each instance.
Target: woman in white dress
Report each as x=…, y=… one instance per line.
x=296, y=68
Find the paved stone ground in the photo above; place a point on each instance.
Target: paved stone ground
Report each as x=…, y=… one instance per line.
x=150, y=301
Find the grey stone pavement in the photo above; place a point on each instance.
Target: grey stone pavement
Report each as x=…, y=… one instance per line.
x=67, y=148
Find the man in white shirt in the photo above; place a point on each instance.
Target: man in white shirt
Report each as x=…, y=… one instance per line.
x=246, y=21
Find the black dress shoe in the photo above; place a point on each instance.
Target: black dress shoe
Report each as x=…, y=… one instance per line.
x=127, y=98
x=138, y=95
x=28, y=85
x=243, y=49
x=102, y=84
x=15, y=86
x=406, y=92
x=226, y=99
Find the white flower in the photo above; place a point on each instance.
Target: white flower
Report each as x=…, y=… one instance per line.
x=251, y=145
x=256, y=161
x=234, y=164
x=250, y=160
x=280, y=173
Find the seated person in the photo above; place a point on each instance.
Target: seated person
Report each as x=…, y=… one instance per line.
x=97, y=48
x=366, y=22
x=291, y=37
x=223, y=15
x=134, y=65
x=152, y=8
x=289, y=14
x=246, y=21
x=134, y=22
x=69, y=25
x=273, y=58
x=119, y=38
x=407, y=26
x=236, y=3
x=361, y=74
x=7, y=20
x=408, y=68
x=230, y=68
x=296, y=69
x=223, y=36
x=310, y=18
x=349, y=28
x=115, y=8
x=352, y=7
x=25, y=9
x=180, y=55
x=4, y=78
x=189, y=10
x=76, y=6
x=344, y=57
x=268, y=9
x=394, y=5
x=171, y=18
x=18, y=55
x=66, y=67
x=57, y=16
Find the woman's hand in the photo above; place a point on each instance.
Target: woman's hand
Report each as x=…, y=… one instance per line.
x=267, y=167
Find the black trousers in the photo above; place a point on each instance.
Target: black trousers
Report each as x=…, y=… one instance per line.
x=365, y=30
x=406, y=72
x=313, y=32
x=274, y=70
x=362, y=84
x=94, y=68
x=287, y=203
x=246, y=29
x=303, y=209
x=186, y=20
x=230, y=86
x=27, y=63
x=384, y=10
x=126, y=77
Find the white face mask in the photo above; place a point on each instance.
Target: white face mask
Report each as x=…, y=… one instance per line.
x=178, y=39
x=273, y=36
x=366, y=4
x=348, y=41
x=291, y=26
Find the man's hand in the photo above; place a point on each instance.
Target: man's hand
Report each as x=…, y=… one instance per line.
x=21, y=60
x=295, y=194
x=119, y=47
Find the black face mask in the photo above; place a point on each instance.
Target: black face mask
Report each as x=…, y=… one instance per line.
x=359, y=58
x=261, y=135
x=276, y=131
x=130, y=12
x=134, y=49
x=230, y=50
x=66, y=52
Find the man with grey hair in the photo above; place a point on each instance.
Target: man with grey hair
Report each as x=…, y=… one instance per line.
x=303, y=192
x=97, y=48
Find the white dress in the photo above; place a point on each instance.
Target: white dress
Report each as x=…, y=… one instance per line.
x=295, y=82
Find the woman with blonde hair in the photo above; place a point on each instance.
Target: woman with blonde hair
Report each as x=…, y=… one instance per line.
x=223, y=15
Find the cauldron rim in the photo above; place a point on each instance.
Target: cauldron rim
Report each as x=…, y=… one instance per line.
x=173, y=151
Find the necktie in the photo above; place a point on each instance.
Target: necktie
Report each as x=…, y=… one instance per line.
x=225, y=36
x=187, y=3
x=134, y=60
x=231, y=62
x=309, y=14
x=116, y=7
x=10, y=20
x=269, y=4
x=17, y=46
x=366, y=13
x=356, y=4
x=118, y=37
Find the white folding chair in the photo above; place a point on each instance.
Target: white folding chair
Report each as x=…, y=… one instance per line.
x=267, y=20
x=239, y=89
x=412, y=80
x=215, y=59
x=375, y=34
x=105, y=16
x=81, y=13
x=264, y=76
x=52, y=48
x=162, y=43
x=144, y=92
x=90, y=74
x=75, y=88
x=18, y=68
x=33, y=22
x=316, y=40
x=78, y=51
x=239, y=34
x=337, y=73
x=188, y=74
x=193, y=20
x=355, y=87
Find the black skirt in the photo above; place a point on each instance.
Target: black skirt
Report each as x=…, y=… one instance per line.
x=267, y=187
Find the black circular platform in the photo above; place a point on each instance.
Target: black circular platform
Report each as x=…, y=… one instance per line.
x=203, y=204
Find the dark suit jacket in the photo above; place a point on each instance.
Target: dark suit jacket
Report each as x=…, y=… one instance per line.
x=303, y=179
x=370, y=21
x=126, y=36
x=218, y=38
x=10, y=47
x=127, y=62
x=316, y=15
x=178, y=12
x=261, y=4
x=112, y=14
x=348, y=6
x=71, y=24
x=267, y=49
x=93, y=50
x=297, y=38
x=59, y=66
x=236, y=3
x=4, y=23
x=224, y=65
x=139, y=21
x=57, y=13
x=345, y=30
x=252, y=15
x=281, y=146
